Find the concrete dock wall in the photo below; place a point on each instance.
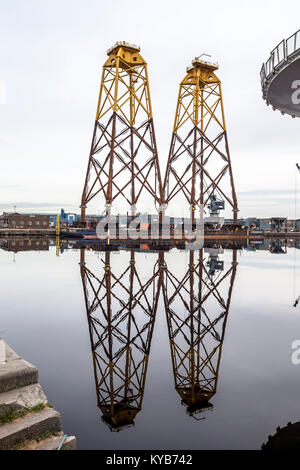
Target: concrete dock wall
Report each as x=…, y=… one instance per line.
x=27, y=421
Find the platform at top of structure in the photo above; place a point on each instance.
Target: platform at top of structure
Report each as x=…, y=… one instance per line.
x=124, y=45
x=201, y=62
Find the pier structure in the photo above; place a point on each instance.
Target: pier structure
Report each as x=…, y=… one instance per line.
x=280, y=77
x=197, y=307
x=199, y=171
x=123, y=164
x=121, y=308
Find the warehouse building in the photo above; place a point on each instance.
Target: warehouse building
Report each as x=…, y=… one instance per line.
x=13, y=220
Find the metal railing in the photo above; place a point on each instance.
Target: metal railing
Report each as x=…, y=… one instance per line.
x=282, y=53
x=123, y=43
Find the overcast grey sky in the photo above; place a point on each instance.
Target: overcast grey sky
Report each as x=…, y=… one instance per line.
x=51, y=55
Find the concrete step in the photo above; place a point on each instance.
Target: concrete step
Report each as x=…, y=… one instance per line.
x=21, y=399
x=29, y=427
x=52, y=443
x=15, y=372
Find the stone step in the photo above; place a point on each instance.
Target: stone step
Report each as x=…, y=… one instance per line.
x=30, y=427
x=51, y=443
x=54, y=442
x=15, y=372
x=21, y=399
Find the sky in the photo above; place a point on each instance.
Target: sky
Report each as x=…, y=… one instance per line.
x=51, y=56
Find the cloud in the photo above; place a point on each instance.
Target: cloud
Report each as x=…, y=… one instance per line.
x=38, y=206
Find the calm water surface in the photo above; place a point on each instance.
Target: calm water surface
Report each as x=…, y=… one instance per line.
x=174, y=350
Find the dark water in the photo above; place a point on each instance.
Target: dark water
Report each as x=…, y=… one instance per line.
x=180, y=350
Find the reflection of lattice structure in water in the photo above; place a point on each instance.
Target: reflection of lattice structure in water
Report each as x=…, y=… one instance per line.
x=197, y=308
x=278, y=247
x=121, y=310
x=199, y=167
x=123, y=163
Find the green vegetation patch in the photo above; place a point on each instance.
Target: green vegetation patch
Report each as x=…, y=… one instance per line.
x=9, y=417
x=28, y=442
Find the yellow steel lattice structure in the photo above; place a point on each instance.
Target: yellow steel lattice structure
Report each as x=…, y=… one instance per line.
x=199, y=164
x=123, y=162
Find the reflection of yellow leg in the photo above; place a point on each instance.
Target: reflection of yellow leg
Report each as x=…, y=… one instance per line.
x=121, y=312
x=197, y=307
x=57, y=246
